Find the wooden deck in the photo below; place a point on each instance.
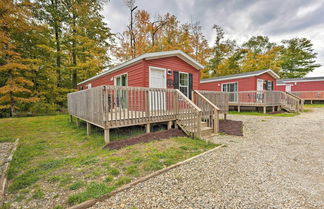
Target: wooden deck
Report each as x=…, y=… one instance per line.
x=112, y=107
x=310, y=95
x=262, y=99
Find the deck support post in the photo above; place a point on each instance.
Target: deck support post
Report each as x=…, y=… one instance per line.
x=279, y=108
x=273, y=108
x=225, y=116
x=148, y=128
x=176, y=125
x=216, y=121
x=71, y=118
x=77, y=122
x=107, y=135
x=264, y=109
x=89, y=126
x=238, y=108
x=169, y=125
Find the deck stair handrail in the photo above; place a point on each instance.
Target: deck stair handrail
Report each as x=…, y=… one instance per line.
x=300, y=100
x=189, y=115
x=117, y=106
x=219, y=99
x=290, y=102
x=210, y=112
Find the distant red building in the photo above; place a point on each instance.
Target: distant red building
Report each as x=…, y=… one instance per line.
x=311, y=88
x=301, y=84
x=169, y=69
x=251, y=81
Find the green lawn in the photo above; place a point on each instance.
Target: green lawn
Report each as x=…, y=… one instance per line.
x=58, y=162
x=262, y=114
x=314, y=105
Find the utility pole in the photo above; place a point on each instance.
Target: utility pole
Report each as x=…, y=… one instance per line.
x=131, y=5
x=132, y=37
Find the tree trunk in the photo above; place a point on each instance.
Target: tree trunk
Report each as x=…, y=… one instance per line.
x=58, y=47
x=58, y=56
x=12, y=100
x=74, y=57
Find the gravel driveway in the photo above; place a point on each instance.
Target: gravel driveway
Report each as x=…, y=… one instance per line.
x=279, y=163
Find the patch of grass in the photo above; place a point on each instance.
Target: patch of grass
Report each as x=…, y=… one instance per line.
x=113, y=171
x=94, y=190
x=314, y=105
x=58, y=207
x=153, y=165
x=262, y=114
x=38, y=194
x=65, y=180
x=77, y=185
x=132, y=170
x=28, y=178
x=6, y=139
x=122, y=180
x=109, y=179
x=52, y=150
x=54, y=179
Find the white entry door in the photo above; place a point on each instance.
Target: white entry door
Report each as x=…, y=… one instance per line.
x=259, y=85
x=288, y=87
x=259, y=95
x=157, y=80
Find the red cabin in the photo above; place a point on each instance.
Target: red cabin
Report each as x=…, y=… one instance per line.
x=169, y=69
x=311, y=88
x=250, y=81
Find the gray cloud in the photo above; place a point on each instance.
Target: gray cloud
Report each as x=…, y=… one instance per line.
x=240, y=19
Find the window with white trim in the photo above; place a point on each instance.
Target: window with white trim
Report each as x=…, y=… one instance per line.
x=184, y=83
x=121, y=80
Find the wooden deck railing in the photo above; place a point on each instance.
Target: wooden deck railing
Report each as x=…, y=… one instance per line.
x=88, y=105
x=309, y=95
x=189, y=116
x=210, y=112
x=291, y=102
x=219, y=99
x=112, y=107
x=256, y=98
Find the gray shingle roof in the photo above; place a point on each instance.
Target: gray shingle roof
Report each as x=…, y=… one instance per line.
x=239, y=75
x=283, y=81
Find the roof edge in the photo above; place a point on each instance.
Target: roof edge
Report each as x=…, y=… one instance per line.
x=154, y=55
x=235, y=76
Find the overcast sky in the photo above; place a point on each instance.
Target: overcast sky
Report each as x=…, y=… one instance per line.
x=240, y=19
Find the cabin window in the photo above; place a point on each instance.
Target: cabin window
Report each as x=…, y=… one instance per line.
x=231, y=87
x=184, y=83
x=269, y=85
x=121, y=80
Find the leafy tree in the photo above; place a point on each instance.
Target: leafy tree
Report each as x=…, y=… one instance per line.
x=86, y=39
x=16, y=86
x=298, y=58
x=161, y=34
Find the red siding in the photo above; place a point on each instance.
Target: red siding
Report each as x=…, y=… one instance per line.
x=304, y=86
x=138, y=74
x=135, y=76
x=175, y=64
x=244, y=84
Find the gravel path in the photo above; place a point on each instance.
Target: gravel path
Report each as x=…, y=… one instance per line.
x=279, y=163
x=5, y=149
